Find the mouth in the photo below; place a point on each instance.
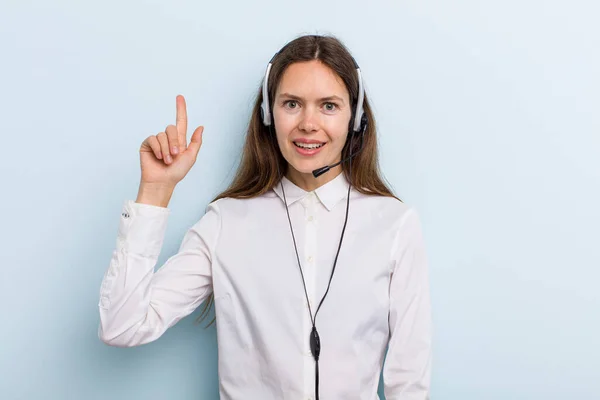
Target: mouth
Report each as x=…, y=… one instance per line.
x=307, y=149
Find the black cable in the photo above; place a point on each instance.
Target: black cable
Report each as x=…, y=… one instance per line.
x=315, y=342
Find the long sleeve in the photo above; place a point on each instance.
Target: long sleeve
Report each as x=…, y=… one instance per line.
x=137, y=305
x=407, y=370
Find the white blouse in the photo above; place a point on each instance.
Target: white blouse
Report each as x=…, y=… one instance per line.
x=242, y=251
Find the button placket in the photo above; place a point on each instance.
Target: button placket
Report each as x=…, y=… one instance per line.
x=311, y=248
x=309, y=261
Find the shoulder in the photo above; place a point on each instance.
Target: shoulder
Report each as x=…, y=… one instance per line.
x=230, y=207
x=387, y=208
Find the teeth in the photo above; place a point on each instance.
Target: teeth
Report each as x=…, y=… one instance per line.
x=309, y=146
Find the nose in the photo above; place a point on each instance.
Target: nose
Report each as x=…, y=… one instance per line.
x=309, y=121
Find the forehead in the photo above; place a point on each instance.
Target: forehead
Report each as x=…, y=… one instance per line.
x=311, y=78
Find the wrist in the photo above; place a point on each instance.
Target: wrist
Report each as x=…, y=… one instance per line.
x=155, y=194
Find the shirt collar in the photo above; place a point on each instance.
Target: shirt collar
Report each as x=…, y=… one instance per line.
x=328, y=194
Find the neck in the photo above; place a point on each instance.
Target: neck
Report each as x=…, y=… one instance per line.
x=308, y=182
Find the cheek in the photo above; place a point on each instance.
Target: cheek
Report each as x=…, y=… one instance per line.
x=337, y=130
x=284, y=124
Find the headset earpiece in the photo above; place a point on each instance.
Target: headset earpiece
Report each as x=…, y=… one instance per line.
x=364, y=121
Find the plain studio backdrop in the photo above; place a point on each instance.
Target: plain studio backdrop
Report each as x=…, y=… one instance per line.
x=488, y=122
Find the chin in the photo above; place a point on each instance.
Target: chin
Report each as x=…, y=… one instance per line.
x=306, y=168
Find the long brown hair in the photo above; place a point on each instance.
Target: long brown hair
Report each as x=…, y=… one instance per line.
x=262, y=160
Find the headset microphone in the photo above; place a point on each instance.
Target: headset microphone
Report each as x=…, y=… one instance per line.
x=359, y=123
x=320, y=171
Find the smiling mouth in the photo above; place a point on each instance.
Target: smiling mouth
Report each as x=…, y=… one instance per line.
x=310, y=146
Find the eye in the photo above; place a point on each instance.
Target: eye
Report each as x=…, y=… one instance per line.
x=330, y=106
x=290, y=104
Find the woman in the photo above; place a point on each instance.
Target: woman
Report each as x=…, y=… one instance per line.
x=307, y=295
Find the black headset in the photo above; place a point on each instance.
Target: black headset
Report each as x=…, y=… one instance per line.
x=358, y=126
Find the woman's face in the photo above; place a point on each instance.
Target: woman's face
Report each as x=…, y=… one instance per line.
x=311, y=111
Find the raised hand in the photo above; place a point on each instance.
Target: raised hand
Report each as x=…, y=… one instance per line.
x=166, y=157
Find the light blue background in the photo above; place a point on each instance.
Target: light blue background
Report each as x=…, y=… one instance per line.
x=489, y=125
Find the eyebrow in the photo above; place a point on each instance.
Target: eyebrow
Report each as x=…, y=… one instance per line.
x=328, y=98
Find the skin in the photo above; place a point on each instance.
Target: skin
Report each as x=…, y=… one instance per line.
x=311, y=102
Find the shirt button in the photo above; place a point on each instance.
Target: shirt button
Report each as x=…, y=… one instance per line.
x=309, y=259
x=310, y=217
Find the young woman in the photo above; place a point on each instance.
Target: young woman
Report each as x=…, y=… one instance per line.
x=313, y=274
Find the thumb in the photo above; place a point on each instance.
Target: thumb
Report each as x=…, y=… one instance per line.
x=196, y=141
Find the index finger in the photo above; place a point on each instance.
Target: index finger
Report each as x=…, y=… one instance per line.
x=181, y=121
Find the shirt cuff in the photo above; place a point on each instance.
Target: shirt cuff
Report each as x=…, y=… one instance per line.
x=142, y=228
